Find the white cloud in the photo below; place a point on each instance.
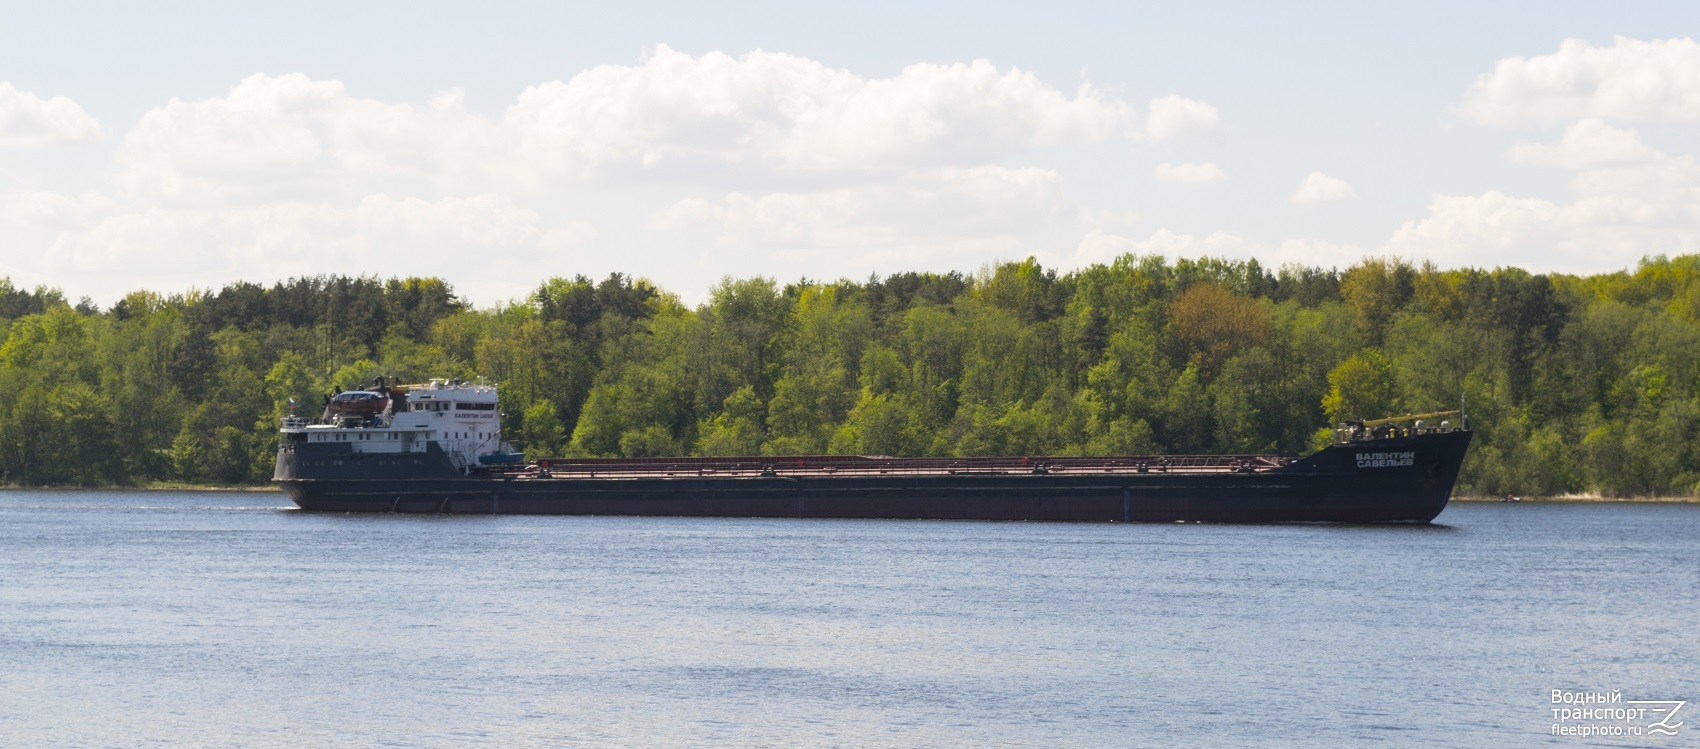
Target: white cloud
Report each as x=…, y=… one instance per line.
x=683, y=215
x=1318, y=253
x=574, y=234
x=864, y=228
x=482, y=221
x=29, y=120
x=1630, y=201
x=1459, y=227
x=378, y=234
x=1581, y=236
x=1630, y=80
x=1588, y=143
x=1190, y=173
x=52, y=210
x=1175, y=116
x=293, y=137
x=930, y=214
x=150, y=241
x=784, y=111
x=827, y=220
x=994, y=184
x=672, y=116
x=1101, y=247
x=1321, y=188
x=285, y=174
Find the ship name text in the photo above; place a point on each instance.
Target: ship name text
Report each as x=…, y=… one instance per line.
x=1386, y=460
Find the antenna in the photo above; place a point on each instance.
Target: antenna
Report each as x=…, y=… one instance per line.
x=1463, y=408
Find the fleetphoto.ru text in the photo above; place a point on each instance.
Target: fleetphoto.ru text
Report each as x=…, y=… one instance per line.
x=1586, y=714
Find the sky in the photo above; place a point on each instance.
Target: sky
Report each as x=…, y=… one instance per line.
x=185, y=146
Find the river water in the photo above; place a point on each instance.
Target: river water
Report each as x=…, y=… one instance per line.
x=197, y=619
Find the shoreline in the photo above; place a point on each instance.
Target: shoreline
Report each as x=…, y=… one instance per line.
x=142, y=488
x=1571, y=499
x=251, y=488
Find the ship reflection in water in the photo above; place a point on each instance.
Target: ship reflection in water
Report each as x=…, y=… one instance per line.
x=208, y=619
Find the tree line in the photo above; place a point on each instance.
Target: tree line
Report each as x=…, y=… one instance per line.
x=1573, y=383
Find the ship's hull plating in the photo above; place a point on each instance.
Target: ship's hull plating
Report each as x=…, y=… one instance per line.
x=1333, y=485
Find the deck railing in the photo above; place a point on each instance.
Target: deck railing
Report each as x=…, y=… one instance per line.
x=831, y=465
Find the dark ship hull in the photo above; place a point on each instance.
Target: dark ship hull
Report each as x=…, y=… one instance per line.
x=1398, y=479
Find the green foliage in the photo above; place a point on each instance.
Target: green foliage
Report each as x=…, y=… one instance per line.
x=1360, y=388
x=736, y=429
x=541, y=433
x=649, y=442
x=1574, y=384
x=288, y=379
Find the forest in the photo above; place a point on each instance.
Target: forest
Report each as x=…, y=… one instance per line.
x=1573, y=384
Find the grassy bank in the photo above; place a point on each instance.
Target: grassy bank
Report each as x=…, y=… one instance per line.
x=155, y=486
x=1585, y=498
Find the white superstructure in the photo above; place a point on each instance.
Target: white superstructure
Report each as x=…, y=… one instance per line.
x=460, y=417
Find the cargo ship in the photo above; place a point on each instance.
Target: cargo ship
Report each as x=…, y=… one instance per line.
x=438, y=448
